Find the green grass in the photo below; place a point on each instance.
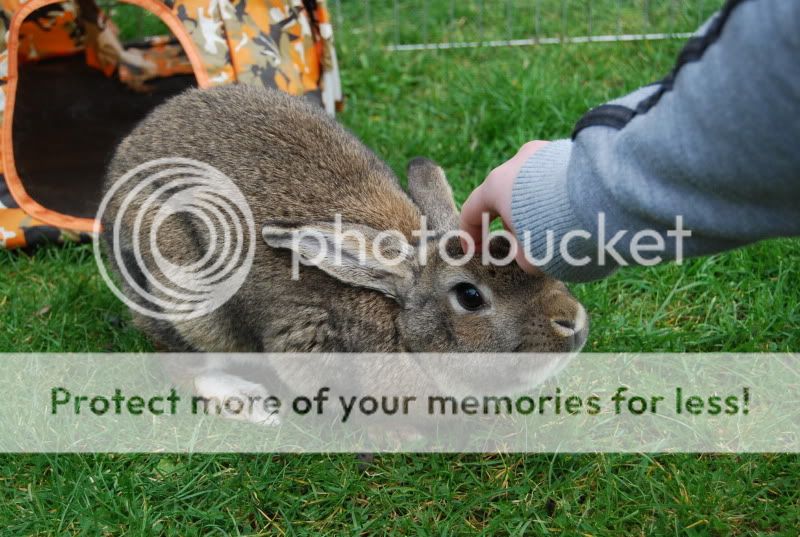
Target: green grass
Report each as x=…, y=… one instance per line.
x=469, y=110
x=416, y=21
x=134, y=22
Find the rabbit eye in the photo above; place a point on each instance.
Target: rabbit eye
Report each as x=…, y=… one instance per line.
x=468, y=296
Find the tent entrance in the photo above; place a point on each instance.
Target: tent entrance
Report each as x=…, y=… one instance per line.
x=72, y=85
x=73, y=91
x=68, y=119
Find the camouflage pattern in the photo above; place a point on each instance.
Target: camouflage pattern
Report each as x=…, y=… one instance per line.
x=286, y=44
x=19, y=230
x=161, y=56
x=158, y=56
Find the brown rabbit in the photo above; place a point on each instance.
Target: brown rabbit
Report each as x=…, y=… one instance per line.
x=297, y=169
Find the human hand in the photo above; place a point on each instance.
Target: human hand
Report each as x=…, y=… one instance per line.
x=493, y=196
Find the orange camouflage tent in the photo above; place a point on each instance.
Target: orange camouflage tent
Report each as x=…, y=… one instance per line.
x=70, y=89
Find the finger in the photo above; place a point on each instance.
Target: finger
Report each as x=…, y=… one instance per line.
x=472, y=215
x=523, y=262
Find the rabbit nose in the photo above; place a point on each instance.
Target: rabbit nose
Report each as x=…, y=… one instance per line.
x=565, y=326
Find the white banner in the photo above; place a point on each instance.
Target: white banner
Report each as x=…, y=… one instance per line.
x=369, y=403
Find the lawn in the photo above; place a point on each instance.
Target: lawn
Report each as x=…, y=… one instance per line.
x=468, y=109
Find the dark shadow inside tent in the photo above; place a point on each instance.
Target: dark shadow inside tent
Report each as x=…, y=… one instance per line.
x=68, y=118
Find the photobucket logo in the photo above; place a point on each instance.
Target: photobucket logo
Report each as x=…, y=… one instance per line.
x=340, y=244
x=204, y=223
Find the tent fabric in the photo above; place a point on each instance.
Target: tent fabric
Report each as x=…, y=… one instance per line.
x=286, y=44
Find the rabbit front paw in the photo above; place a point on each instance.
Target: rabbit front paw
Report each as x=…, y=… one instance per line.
x=235, y=398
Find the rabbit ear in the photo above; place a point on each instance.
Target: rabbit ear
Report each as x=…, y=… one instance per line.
x=354, y=254
x=431, y=192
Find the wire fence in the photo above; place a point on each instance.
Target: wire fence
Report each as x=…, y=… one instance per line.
x=409, y=25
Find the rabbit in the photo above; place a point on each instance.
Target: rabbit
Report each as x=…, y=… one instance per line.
x=297, y=168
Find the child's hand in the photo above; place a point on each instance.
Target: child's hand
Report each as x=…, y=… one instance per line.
x=494, y=197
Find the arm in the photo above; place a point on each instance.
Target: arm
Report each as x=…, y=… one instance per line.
x=716, y=142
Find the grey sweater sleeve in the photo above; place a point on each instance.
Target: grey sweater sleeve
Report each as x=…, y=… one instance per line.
x=715, y=144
